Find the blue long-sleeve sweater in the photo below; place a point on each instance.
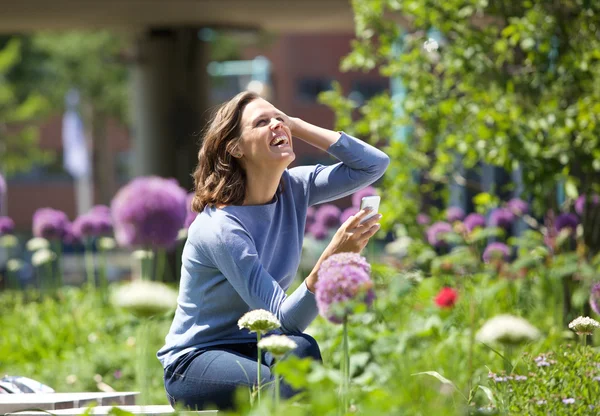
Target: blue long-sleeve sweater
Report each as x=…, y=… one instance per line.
x=244, y=257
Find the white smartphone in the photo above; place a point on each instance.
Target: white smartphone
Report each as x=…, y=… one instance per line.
x=370, y=201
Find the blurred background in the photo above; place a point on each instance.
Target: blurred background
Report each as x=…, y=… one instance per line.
x=489, y=111
x=97, y=93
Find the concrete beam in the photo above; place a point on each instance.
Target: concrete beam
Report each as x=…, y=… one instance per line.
x=289, y=16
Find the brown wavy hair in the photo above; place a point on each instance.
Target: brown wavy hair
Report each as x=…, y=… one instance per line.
x=219, y=178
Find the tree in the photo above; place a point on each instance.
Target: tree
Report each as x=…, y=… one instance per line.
x=91, y=63
x=19, y=114
x=513, y=84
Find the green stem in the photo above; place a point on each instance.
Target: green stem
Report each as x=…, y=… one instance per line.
x=258, y=365
x=89, y=263
x=277, y=394
x=508, y=350
x=584, y=341
x=471, y=340
x=57, y=247
x=102, y=274
x=143, y=376
x=144, y=267
x=161, y=257
x=49, y=276
x=345, y=367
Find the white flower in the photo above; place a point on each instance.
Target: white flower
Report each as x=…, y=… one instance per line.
x=71, y=379
x=42, y=256
x=259, y=320
x=584, y=325
x=507, y=329
x=8, y=241
x=278, y=345
x=130, y=342
x=14, y=265
x=398, y=247
x=106, y=243
x=431, y=45
x=413, y=276
x=182, y=234
x=145, y=298
x=37, y=243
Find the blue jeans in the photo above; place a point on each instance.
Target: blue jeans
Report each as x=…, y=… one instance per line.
x=209, y=377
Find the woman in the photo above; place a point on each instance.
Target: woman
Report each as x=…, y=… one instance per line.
x=243, y=249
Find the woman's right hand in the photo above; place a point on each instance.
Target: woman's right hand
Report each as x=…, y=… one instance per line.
x=352, y=236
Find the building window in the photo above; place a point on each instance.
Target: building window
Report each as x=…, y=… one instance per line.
x=363, y=90
x=308, y=89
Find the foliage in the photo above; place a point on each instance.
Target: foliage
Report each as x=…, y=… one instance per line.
x=566, y=381
x=91, y=62
x=72, y=339
x=67, y=338
x=19, y=114
x=514, y=84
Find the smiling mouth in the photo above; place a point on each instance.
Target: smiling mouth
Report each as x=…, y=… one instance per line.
x=280, y=141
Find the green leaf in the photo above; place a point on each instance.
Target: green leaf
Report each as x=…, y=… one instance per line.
x=571, y=188
x=115, y=411
x=488, y=392
x=482, y=234
x=10, y=55
x=436, y=375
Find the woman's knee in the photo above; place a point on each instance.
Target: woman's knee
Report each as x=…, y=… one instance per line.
x=307, y=347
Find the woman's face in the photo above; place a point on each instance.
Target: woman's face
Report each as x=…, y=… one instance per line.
x=266, y=138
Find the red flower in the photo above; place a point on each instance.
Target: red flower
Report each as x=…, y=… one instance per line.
x=446, y=298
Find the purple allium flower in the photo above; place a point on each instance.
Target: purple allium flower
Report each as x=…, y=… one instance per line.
x=49, y=223
x=69, y=237
x=2, y=190
x=101, y=209
x=359, y=195
x=496, y=251
x=473, y=221
x=92, y=224
x=344, y=278
x=318, y=231
x=347, y=213
x=569, y=400
x=501, y=217
x=7, y=225
x=423, y=219
x=436, y=232
x=567, y=220
x=328, y=215
x=517, y=206
x=149, y=211
x=581, y=202
x=454, y=214
x=595, y=298
x=190, y=215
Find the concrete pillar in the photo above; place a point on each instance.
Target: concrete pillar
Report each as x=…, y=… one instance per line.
x=170, y=101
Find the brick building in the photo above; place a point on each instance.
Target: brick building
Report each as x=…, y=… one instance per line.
x=301, y=67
